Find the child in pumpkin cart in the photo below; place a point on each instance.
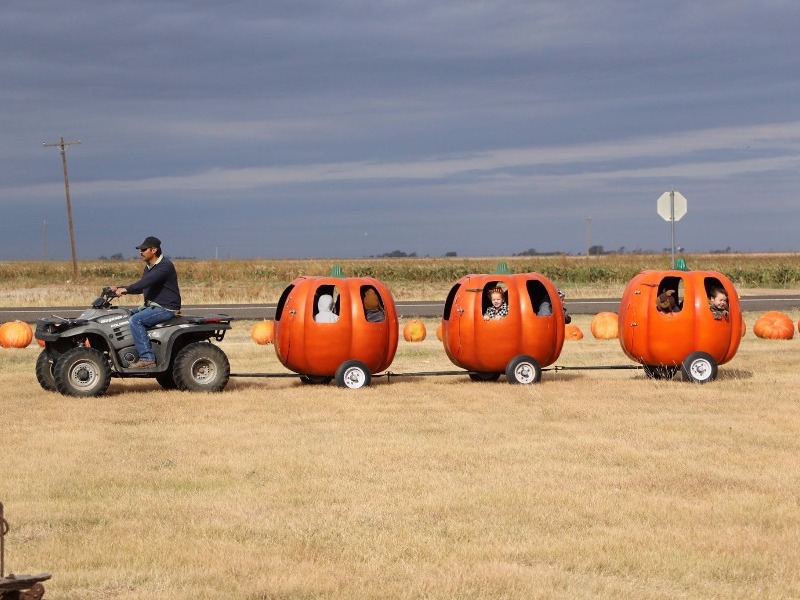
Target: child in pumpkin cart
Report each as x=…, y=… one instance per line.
x=498, y=308
x=718, y=303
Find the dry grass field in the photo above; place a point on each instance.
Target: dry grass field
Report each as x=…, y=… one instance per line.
x=50, y=283
x=590, y=484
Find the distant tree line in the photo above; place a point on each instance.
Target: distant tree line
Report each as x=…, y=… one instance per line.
x=597, y=250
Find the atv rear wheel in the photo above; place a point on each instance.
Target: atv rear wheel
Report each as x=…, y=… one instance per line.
x=201, y=367
x=82, y=371
x=44, y=371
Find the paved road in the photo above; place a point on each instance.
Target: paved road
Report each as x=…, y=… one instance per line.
x=429, y=309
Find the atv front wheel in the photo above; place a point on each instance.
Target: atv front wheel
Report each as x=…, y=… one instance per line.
x=201, y=367
x=44, y=371
x=82, y=371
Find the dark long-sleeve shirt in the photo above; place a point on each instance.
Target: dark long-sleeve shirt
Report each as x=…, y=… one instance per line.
x=159, y=284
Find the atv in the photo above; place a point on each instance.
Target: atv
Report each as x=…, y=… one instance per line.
x=82, y=354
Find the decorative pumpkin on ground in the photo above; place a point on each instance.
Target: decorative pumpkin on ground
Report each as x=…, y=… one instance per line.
x=440, y=327
x=15, y=334
x=519, y=334
x=342, y=328
x=572, y=332
x=605, y=326
x=414, y=331
x=690, y=333
x=774, y=325
x=263, y=332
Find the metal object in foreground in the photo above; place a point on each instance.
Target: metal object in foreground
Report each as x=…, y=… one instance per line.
x=17, y=587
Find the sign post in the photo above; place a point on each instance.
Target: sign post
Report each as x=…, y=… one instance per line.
x=671, y=206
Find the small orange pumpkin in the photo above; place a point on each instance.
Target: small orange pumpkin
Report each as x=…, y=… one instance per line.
x=605, y=326
x=774, y=325
x=440, y=327
x=744, y=326
x=572, y=332
x=263, y=332
x=15, y=334
x=414, y=331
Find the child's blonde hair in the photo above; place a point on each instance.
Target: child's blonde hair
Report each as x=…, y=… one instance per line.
x=496, y=290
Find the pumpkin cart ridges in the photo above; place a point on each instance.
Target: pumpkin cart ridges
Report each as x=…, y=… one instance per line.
x=530, y=323
x=354, y=336
x=685, y=333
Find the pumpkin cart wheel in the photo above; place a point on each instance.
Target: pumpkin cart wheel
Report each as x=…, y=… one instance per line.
x=201, y=367
x=523, y=369
x=483, y=376
x=44, y=371
x=82, y=371
x=315, y=379
x=660, y=371
x=699, y=367
x=352, y=374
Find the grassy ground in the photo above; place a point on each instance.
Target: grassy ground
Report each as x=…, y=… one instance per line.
x=596, y=483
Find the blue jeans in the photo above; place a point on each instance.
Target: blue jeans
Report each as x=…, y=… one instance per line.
x=140, y=321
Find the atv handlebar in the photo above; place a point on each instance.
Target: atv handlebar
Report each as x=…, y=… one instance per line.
x=104, y=301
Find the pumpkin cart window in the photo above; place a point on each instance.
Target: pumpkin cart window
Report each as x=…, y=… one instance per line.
x=327, y=304
x=494, y=297
x=540, y=298
x=373, y=304
x=670, y=295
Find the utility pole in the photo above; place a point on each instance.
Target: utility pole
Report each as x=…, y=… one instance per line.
x=588, y=235
x=44, y=240
x=63, y=145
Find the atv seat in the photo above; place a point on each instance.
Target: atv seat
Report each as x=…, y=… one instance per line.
x=193, y=320
x=171, y=322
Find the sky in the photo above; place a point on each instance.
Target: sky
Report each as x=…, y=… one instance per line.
x=350, y=128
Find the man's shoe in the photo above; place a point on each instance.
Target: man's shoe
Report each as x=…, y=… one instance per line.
x=142, y=364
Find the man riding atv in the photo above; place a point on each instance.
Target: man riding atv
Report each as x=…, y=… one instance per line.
x=162, y=299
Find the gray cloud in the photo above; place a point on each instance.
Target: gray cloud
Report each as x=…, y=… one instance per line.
x=294, y=129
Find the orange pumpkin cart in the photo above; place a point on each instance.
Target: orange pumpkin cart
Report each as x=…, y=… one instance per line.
x=347, y=348
x=683, y=335
x=520, y=343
